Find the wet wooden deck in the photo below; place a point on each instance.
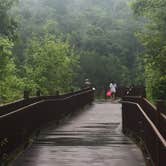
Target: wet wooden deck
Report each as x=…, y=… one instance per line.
x=92, y=138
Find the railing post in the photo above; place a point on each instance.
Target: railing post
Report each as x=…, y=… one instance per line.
x=158, y=113
x=161, y=106
x=124, y=117
x=123, y=110
x=160, y=109
x=38, y=92
x=158, y=147
x=26, y=94
x=141, y=129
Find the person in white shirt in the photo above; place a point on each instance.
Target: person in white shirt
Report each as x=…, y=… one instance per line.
x=113, y=89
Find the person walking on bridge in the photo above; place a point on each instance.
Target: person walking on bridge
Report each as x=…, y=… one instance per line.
x=113, y=87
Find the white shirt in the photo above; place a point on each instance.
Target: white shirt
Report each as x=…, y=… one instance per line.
x=113, y=87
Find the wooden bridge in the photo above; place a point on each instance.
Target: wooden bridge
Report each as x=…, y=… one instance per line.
x=72, y=132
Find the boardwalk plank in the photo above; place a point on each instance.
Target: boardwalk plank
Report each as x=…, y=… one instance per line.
x=92, y=138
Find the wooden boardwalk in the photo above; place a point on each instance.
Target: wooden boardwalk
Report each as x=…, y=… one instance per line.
x=91, y=138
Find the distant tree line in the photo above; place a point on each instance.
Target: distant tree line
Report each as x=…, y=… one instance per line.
x=53, y=45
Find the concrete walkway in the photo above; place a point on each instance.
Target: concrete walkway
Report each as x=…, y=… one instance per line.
x=92, y=138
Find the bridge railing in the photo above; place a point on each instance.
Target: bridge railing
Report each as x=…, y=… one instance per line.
x=22, y=120
x=137, y=119
x=6, y=108
x=156, y=114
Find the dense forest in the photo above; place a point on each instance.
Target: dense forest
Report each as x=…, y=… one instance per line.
x=53, y=45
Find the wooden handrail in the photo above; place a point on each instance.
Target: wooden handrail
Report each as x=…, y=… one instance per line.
x=43, y=100
x=153, y=106
x=21, y=109
x=163, y=115
x=18, y=122
x=158, y=134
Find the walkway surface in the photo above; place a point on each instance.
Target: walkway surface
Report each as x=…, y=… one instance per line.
x=92, y=138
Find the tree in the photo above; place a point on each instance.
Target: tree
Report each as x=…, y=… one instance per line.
x=50, y=65
x=101, y=28
x=9, y=81
x=154, y=41
x=8, y=24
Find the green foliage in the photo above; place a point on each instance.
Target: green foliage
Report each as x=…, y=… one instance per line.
x=103, y=30
x=103, y=67
x=5, y=54
x=156, y=83
x=49, y=65
x=154, y=41
x=9, y=81
x=100, y=44
x=8, y=24
x=161, y=89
